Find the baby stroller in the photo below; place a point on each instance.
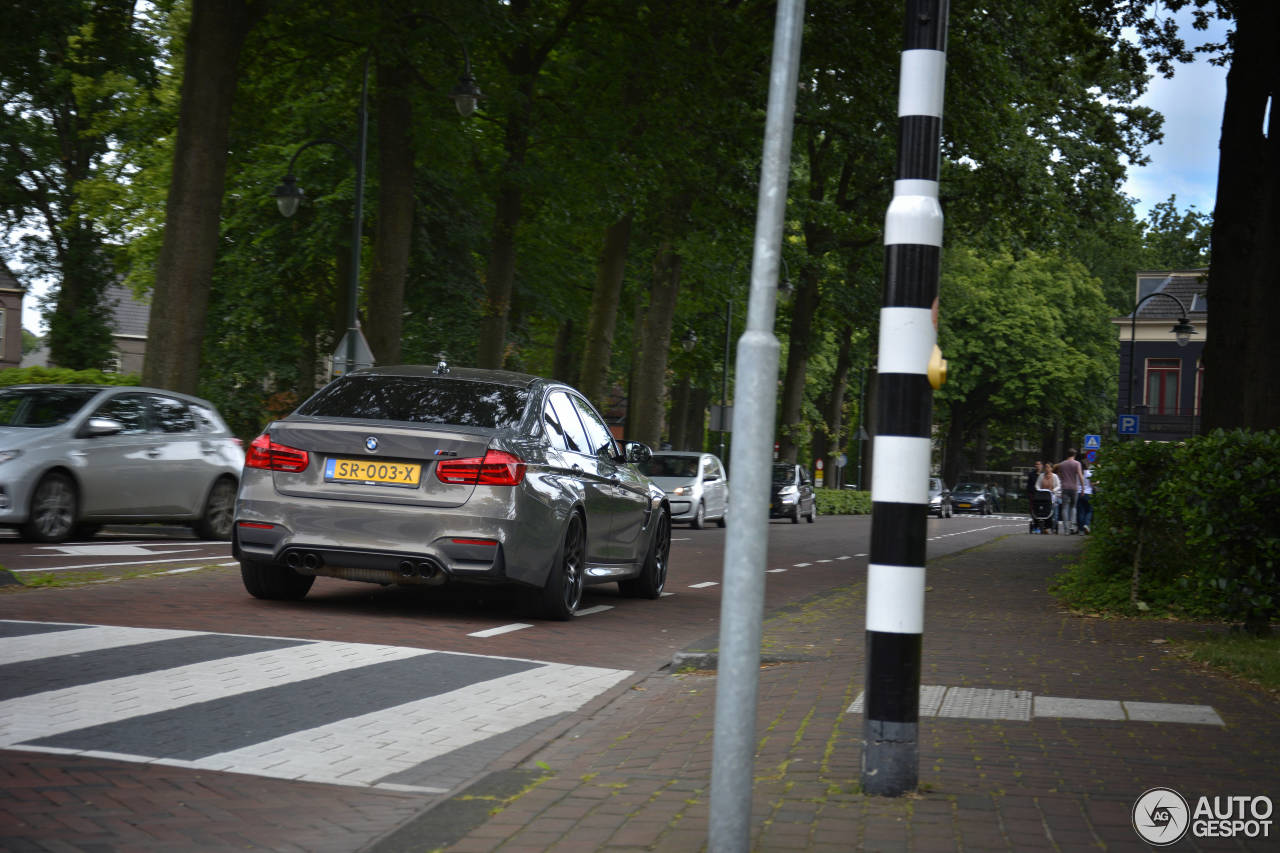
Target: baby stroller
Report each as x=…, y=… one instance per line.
x=1042, y=512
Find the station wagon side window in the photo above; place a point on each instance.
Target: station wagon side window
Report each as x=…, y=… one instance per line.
x=574, y=434
x=128, y=409
x=172, y=415
x=600, y=437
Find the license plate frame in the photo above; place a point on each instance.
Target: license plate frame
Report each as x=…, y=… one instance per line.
x=373, y=472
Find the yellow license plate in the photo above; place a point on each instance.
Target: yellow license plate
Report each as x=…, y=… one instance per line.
x=373, y=471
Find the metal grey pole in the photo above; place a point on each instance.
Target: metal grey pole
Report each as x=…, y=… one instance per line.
x=755, y=393
x=353, y=288
x=900, y=475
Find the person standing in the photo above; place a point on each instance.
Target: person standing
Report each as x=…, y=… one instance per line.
x=1033, y=478
x=1072, y=477
x=1050, y=482
x=1084, y=507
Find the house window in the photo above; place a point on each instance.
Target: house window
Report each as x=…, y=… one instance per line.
x=1162, y=385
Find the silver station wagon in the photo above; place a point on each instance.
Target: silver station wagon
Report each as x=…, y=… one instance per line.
x=423, y=476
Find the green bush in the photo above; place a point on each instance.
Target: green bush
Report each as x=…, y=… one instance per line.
x=843, y=502
x=1187, y=529
x=64, y=376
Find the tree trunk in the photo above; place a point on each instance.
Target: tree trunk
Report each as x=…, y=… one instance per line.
x=695, y=427
x=648, y=398
x=385, y=295
x=799, y=347
x=564, y=358
x=184, y=269
x=1240, y=358
x=680, y=395
x=597, y=352
x=832, y=440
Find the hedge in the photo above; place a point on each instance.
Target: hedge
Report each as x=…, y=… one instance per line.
x=1189, y=529
x=64, y=376
x=843, y=502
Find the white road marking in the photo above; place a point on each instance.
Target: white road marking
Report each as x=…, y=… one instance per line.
x=703, y=585
x=502, y=629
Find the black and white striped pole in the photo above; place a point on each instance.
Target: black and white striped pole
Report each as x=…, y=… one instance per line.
x=900, y=478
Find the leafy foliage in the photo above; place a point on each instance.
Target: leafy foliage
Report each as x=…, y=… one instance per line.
x=1188, y=529
x=64, y=376
x=843, y=502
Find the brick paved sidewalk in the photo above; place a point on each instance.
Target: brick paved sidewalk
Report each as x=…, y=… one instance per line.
x=1035, y=736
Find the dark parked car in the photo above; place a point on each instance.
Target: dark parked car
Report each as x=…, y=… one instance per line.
x=939, y=498
x=972, y=497
x=76, y=457
x=421, y=475
x=791, y=494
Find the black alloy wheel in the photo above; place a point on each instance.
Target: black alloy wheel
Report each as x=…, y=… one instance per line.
x=653, y=577
x=563, y=593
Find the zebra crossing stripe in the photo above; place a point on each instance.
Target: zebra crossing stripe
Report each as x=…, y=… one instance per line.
x=341, y=713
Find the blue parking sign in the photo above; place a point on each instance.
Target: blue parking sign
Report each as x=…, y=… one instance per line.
x=1093, y=442
x=1127, y=425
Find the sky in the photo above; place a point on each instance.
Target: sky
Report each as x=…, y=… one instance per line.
x=1184, y=164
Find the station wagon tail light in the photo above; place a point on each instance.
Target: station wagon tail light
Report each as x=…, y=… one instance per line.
x=267, y=454
x=497, y=468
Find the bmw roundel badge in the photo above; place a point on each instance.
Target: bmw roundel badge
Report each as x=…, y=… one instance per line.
x=371, y=444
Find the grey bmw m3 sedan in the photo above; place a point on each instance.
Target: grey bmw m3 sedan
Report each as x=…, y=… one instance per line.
x=421, y=475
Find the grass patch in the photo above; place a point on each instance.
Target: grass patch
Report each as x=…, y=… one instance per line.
x=54, y=580
x=1256, y=659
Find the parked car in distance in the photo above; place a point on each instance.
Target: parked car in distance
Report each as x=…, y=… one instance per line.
x=939, y=498
x=696, y=485
x=791, y=494
x=971, y=497
x=76, y=457
x=422, y=476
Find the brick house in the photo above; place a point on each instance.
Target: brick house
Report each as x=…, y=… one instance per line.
x=11, y=293
x=1161, y=381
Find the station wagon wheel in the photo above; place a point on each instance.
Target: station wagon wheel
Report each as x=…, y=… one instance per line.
x=699, y=517
x=563, y=592
x=53, y=509
x=219, y=510
x=653, y=576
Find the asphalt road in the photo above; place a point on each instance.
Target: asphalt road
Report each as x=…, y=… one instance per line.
x=148, y=649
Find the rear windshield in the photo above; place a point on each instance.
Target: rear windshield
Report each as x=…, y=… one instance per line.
x=669, y=466
x=419, y=399
x=42, y=407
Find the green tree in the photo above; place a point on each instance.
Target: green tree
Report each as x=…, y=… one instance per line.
x=67, y=69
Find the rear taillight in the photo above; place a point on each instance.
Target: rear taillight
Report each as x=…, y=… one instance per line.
x=267, y=454
x=497, y=468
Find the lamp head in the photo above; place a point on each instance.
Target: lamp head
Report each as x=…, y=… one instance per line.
x=1182, y=331
x=288, y=196
x=466, y=95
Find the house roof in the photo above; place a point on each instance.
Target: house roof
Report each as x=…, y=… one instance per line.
x=129, y=316
x=1190, y=288
x=7, y=279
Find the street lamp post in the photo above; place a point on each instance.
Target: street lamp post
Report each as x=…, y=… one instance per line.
x=289, y=195
x=724, y=376
x=1182, y=332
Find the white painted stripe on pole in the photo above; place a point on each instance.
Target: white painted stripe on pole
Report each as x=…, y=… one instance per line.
x=914, y=220
x=921, y=82
x=895, y=599
x=907, y=337
x=901, y=473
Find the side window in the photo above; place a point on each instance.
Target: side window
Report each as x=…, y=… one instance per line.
x=128, y=409
x=575, y=436
x=551, y=423
x=172, y=415
x=599, y=435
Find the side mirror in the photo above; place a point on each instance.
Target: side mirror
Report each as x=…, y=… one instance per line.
x=636, y=452
x=101, y=426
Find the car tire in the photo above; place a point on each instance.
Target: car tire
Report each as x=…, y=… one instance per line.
x=219, y=512
x=723, y=519
x=271, y=582
x=563, y=591
x=699, y=520
x=52, y=515
x=653, y=577
x=813, y=512
x=795, y=514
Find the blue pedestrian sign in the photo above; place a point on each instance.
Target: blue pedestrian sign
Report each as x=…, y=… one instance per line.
x=1128, y=425
x=1093, y=442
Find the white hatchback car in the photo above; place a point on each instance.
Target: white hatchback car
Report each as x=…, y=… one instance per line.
x=696, y=485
